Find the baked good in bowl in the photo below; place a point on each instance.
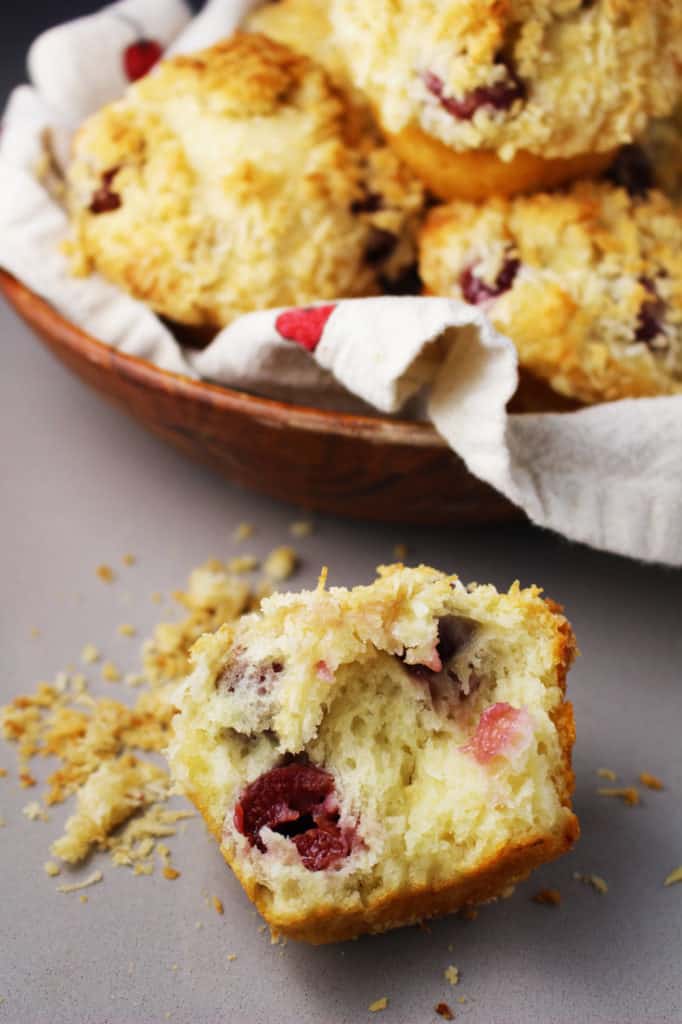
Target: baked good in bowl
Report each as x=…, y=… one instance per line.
x=371, y=757
x=495, y=97
x=234, y=179
x=586, y=282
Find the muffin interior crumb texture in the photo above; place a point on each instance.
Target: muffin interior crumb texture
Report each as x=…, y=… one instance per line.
x=373, y=756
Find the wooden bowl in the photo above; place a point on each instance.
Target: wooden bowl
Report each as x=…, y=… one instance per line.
x=347, y=465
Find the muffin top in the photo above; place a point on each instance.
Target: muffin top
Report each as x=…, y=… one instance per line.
x=235, y=179
x=554, y=77
x=587, y=283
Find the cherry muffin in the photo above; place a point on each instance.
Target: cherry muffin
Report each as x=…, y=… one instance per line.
x=235, y=179
x=587, y=283
x=368, y=758
x=486, y=97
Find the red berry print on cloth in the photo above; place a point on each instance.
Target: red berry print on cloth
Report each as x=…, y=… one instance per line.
x=140, y=57
x=304, y=326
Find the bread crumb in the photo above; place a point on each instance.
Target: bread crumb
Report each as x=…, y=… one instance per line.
x=129, y=559
x=83, y=899
x=242, y=564
x=628, y=794
x=90, y=654
x=243, y=531
x=548, y=897
x=596, y=881
x=451, y=974
x=674, y=876
x=106, y=573
x=34, y=812
x=301, y=528
x=280, y=564
x=92, y=879
x=26, y=780
x=400, y=552
x=170, y=873
x=126, y=629
x=651, y=781
x=444, y=1011
x=462, y=999
x=378, y=1005
x=218, y=905
x=110, y=673
x=607, y=773
x=3, y=773
x=51, y=869
x=35, y=631
x=231, y=956
x=134, y=678
x=198, y=925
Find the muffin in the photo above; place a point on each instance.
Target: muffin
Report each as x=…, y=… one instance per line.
x=587, y=283
x=486, y=97
x=371, y=757
x=303, y=26
x=234, y=179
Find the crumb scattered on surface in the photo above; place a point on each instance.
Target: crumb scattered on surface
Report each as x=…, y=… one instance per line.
x=444, y=1011
x=674, y=876
x=106, y=573
x=301, y=528
x=451, y=974
x=92, y=879
x=281, y=563
x=378, y=1005
x=596, y=881
x=170, y=873
x=2, y=821
x=607, y=773
x=51, y=869
x=90, y=654
x=548, y=897
x=651, y=781
x=218, y=905
x=400, y=552
x=35, y=632
x=83, y=898
x=110, y=673
x=3, y=773
x=129, y=559
x=34, y=811
x=126, y=629
x=243, y=531
x=242, y=564
x=26, y=780
x=231, y=956
x=628, y=794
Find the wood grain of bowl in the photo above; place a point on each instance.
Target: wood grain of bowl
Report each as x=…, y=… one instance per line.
x=348, y=465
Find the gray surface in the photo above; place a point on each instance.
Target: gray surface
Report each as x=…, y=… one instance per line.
x=80, y=486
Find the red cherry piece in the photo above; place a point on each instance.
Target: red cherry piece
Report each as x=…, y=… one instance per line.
x=502, y=731
x=304, y=326
x=319, y=848
x=140, y=57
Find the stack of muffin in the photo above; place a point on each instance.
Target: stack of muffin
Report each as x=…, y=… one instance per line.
x=300, y=162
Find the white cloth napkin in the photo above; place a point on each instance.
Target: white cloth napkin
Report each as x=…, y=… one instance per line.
x=610, y=476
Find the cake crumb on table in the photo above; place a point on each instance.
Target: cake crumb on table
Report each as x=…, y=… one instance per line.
x=83, y=898
x=243, y=531
x=218, y=905
x=26, y=780
x=595, y=881
x=51, y=869
x=110, y=673
x=3, y=773
x=607, y=773
x=281, y=563
x=129, y=559
x=444, y=1011
x=231, y=957
x=90, y=654
x=628, y=794
x=92, y=879
x=106, y=573
x=378, y=1005
x=674, y=876
x=451, y=974
x=34, y=811
x=301, y=528
x=548, y=897
x=242, y=564
x=2, y=821
x=651, y=781
x=126, y=629
x=170, y=873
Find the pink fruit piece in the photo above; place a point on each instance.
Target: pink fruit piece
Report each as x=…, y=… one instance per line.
x=476, y=291
x=297, y=801
x=502, y=731
x=104, y=199
x=140, y=57
x=304, y=326
x=500, y=96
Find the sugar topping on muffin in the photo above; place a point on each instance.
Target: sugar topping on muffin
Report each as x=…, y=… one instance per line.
x=236, y=179
x=587, y=283
x=371, y=757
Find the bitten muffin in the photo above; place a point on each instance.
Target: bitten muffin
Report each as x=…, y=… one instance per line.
x=234, y=179
x=587, y=283
x=486, y=97
x=368, y=758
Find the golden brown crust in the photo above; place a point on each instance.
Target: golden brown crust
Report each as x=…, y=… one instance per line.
x=479, y=174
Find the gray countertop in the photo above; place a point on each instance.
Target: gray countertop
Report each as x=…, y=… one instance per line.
x=81, y=486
